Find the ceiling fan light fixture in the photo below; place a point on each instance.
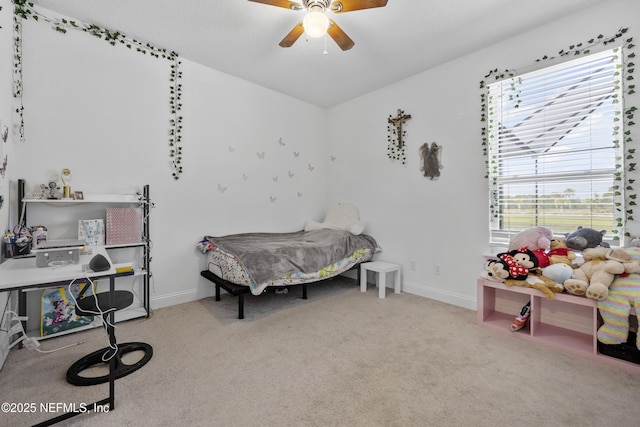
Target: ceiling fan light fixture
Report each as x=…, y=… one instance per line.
x=315, y=24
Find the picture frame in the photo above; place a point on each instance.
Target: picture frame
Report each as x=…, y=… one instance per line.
x=78, y=195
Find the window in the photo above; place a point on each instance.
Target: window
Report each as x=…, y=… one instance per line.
x=555, y=148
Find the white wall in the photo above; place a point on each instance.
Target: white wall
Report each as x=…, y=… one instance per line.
x=6, y=94
x=442, y=222
x=103, y=112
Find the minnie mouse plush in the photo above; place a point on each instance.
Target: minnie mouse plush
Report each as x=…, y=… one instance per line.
x=520, y=262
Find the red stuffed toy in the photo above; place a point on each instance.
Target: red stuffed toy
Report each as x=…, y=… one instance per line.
x=543, y=258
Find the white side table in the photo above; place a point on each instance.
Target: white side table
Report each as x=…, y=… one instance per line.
x=382, y=268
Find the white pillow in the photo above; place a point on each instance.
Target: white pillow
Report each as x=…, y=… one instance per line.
x=343, y=216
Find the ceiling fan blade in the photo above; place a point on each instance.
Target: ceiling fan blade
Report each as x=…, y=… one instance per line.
x=339, y=36
x=281, y=3
x=341, y=6
x=293, y=35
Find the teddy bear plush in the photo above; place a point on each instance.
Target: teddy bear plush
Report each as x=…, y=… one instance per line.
x=559, y=253
x=533, y=238
x=600, y=267
x=584, y=238
x=624, y=293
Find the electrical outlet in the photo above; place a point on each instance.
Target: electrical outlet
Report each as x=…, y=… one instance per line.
x=436, y=269
x=412, y=265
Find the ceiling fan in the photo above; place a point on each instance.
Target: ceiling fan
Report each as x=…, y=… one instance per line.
x=316, y=23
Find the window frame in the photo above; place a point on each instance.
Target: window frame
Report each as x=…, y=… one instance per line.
x=498, y=235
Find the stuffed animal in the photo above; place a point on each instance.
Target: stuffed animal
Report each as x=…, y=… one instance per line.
x=596, y=274
x=343, y=216
x=624, y=293
x=559, y=273
x=496, y=270
x=543, y=258
x=584, y=238
x=520, y=262
x=534, y=239
x=523, y=270
x=545, y=285
x=560, y=253
x=507, y=267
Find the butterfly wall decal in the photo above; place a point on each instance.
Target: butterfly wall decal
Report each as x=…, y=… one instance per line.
x=260, y=155
x=222, y=189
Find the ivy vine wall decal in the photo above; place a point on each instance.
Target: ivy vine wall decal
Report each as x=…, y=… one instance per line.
x=626, y=80
x=24, y=10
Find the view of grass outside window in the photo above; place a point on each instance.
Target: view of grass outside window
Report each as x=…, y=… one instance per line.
x=554, y=148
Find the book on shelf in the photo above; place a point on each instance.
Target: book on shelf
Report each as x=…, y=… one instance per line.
x=124, y=226
x=124, y=269
x=92, y=231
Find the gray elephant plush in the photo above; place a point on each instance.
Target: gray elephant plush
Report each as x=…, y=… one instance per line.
x=584, y=238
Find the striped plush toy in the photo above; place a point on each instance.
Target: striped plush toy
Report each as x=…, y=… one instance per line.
x=624, y=293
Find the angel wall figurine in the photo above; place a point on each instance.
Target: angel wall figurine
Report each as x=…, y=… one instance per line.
x=430, y=160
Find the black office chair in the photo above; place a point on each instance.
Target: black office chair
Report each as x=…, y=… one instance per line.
x=90, y=305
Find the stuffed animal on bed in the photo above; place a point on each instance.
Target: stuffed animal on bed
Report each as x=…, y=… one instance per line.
x=624, y=293
x=343, y=216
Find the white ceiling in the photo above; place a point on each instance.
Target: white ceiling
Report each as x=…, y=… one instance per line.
x=240, y=38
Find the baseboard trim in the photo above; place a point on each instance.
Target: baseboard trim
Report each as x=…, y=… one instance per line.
x=176, y=298
x=440, y=295
x=408, y=287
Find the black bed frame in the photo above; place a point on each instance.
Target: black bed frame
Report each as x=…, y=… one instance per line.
x=240, y=290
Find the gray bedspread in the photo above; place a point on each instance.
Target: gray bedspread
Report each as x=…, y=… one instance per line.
x=267, y=256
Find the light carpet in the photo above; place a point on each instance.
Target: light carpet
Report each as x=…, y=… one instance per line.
x=340, y=358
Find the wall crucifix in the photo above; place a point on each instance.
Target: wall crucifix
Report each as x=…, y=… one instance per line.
x=396, y=135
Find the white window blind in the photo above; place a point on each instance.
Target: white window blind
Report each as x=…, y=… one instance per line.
x=554, y=148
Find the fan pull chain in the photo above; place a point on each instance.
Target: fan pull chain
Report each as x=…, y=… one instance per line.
x=325, y=45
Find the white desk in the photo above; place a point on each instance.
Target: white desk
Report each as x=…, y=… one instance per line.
x=22, y=273
x=18, y=274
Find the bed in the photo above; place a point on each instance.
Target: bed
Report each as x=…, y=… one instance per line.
x=261, y=262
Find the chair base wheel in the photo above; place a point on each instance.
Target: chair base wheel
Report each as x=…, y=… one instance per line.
x=121, y=369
